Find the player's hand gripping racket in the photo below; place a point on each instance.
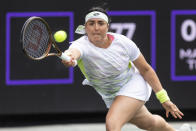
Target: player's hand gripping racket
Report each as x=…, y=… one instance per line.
x=37, y=39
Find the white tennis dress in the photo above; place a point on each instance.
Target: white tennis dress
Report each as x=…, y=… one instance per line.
x=110, y=70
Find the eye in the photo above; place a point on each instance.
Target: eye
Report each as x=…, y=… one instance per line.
x=90, y=23
x=101, y=23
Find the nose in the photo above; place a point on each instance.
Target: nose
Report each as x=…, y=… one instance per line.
x=96, y=26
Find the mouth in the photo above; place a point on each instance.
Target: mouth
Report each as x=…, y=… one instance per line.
x=96, y=34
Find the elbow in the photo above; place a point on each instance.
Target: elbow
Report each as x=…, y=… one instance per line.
x=146, y=70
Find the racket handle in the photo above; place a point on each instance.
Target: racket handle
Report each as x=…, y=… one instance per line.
x=65, y=57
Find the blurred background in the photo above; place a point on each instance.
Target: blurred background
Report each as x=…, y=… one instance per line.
x=45, y=92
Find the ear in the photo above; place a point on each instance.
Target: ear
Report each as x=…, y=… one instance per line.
x=108, y=27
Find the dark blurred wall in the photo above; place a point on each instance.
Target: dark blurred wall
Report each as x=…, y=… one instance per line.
x=165, y=31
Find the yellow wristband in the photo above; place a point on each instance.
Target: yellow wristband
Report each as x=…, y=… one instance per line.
x=162, y=96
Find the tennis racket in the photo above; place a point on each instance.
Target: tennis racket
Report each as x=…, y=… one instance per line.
x=37, y=39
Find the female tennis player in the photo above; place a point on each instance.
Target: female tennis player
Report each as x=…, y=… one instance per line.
x=115, y=67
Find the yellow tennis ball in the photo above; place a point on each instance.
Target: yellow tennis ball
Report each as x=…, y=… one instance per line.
x=60, y=36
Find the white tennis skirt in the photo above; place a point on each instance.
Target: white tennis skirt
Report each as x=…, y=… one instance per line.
x=136, y=88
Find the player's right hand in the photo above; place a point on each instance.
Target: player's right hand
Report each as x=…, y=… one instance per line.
x=71, y=62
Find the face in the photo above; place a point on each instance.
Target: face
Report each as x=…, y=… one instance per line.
x=96, y=30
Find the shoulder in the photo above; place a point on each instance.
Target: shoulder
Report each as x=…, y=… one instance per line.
x=119, y=36
x=80, y=45
x=80, y=40
x=121, y=39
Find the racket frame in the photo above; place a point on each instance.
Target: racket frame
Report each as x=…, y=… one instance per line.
x=51, y=41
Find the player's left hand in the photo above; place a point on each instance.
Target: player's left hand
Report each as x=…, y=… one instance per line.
x=172, y=109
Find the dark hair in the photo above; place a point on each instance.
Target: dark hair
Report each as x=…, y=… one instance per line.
x=100, y=9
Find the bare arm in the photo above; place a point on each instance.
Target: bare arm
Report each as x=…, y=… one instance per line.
x=151, y=77
x=148, y=73
x=74, y=54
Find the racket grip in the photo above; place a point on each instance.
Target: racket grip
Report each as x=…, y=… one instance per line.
x=65, y=57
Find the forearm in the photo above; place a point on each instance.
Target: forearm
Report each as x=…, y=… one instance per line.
x=151, y=77
x=74, y=53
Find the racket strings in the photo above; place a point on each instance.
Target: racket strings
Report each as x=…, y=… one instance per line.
x=35, y=39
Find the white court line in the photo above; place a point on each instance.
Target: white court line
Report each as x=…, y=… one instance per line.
x=83, y=127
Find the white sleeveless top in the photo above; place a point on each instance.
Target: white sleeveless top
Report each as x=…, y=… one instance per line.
x=107, y=70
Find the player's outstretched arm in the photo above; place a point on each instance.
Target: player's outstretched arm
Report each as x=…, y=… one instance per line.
x=151, y=77
x=74, y=54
